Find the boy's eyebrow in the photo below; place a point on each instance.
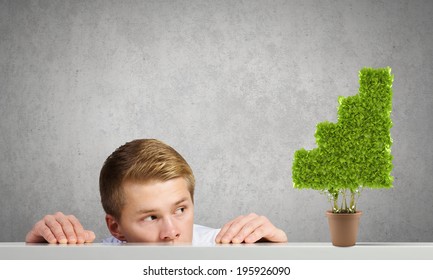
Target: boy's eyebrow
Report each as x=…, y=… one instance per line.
x=146, y=211
x=181, y=200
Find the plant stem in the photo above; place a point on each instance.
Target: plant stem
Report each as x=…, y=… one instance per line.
x=352, y=201
x=344, y=202
x=335, y=209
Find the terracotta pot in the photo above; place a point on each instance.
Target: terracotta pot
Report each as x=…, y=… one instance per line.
x=343, y=228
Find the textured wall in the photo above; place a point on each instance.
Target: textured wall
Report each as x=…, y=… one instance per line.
x=234, y=86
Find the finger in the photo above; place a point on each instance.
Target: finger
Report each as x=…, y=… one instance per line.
x=258, y=233
x=277, y=235
x=225, y=228
x=55, y=228
x=40, y=233
x=78, y=229
x=222, y=231
x=89, y=236
x=265, y=230
x=236, y=227
x=47, y=234
x=253, y=230
x=67, y=227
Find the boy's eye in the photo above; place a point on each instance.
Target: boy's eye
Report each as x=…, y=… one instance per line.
x=150, y=218
x=180, y=210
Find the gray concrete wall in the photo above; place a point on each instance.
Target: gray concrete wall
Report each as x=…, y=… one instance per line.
x=234, y=86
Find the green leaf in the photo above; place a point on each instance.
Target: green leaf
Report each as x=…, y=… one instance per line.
x=355, y=151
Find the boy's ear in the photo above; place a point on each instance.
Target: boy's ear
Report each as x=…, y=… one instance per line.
x=114, y=227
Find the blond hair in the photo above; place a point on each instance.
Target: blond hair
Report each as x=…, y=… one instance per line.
x=141, y=160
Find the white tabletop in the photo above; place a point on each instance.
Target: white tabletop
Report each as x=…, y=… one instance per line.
x=259, y=251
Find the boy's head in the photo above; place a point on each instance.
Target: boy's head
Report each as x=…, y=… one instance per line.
x=147, y=191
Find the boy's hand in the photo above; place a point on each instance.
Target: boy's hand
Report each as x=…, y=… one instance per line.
x=59, y=228
x=250, y=229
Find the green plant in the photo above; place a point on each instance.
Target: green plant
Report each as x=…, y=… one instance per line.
x=355, y=152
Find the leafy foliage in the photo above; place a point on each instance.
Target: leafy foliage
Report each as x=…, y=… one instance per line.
x=356, y=151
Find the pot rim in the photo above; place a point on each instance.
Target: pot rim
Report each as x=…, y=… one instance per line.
x=330, y=213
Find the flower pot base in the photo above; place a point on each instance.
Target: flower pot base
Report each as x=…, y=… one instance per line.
x=343, y=228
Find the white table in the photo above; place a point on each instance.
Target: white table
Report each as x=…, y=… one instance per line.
x=260, y=251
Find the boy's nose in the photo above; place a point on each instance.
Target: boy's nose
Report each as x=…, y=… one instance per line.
x=169, y=231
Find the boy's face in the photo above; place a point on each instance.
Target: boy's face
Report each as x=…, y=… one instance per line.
x=157, y=212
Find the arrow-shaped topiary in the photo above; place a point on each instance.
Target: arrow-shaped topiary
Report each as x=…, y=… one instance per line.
x=355, y=152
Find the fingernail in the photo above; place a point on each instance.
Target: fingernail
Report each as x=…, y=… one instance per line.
x=88, y=236
x=63, y=241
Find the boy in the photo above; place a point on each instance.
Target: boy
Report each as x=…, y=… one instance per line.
x=147, y=192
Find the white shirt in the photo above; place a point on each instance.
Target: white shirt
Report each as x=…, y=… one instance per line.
x=201, y=235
